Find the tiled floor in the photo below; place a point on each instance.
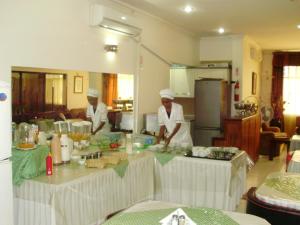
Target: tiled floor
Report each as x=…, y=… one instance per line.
x=259, y=172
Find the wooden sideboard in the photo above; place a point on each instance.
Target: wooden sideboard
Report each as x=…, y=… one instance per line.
x=242, y=133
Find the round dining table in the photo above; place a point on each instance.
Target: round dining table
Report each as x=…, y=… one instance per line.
x=152, y=212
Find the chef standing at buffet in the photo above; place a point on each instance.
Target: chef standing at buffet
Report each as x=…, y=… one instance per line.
x=96, y=111
x=171, y=121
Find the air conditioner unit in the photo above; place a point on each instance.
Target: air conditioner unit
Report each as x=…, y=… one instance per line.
x=112, y=19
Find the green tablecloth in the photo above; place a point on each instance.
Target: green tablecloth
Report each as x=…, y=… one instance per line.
x=201, y=216
x=28, y=164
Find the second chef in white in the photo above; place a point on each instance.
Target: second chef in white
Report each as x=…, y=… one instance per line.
x=171, y=121
x=96, y=112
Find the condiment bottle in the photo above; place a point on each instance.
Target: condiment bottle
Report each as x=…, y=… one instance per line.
x=128, y=144
x=56, y=150
x=65, y=151
x=49, y=165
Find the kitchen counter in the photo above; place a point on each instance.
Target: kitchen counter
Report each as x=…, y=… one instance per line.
x=189, y=117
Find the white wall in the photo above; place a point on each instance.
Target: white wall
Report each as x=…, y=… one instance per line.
x=266, y=78
x=216, y=48
x=56, y=34
x=234, y=48
x=251, y=63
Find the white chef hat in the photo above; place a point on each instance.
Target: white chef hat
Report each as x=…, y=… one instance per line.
x=93, y=93
x=167, y=93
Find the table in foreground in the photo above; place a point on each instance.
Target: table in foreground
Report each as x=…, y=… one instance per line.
x=76, y=195
x=294, y=164
x=150, y=212
x=201, y=182
x=295, y=143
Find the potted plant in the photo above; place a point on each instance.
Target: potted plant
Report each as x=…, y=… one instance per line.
x=278, y=109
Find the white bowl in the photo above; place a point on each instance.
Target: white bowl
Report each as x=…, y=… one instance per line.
x=81, y=161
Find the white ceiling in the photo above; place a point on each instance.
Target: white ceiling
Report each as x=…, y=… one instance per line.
x=271, y=23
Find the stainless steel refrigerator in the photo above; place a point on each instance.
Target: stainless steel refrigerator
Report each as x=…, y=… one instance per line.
x=211, y=107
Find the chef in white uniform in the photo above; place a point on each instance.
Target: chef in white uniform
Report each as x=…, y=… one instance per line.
x=96, y=112
x=172, y=125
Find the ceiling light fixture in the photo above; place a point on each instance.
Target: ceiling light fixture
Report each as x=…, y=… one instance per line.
x=188, y=9
x=221, y=30
x=123, y=18
x=298, y=26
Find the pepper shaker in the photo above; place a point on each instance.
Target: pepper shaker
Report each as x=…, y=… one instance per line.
x=174, y=220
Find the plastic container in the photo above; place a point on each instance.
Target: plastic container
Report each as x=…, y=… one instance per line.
x=61, y=127
x=42, y=139
x=65, y=151
x=56, y=150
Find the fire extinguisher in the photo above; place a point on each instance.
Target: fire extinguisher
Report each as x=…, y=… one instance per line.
x=237, y=91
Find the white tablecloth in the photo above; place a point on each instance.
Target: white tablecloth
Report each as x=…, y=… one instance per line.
x=240, y=218
x=82, y=196
x=295, y=143
x=201, y=182
x=294, y=164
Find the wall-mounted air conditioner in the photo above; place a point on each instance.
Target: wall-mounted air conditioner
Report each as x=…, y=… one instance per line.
x=112, y=19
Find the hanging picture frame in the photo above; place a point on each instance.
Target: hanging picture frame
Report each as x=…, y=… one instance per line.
x=254, y=80
x=78, y=84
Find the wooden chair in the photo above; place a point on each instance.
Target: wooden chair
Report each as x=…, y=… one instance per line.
x=270, y=140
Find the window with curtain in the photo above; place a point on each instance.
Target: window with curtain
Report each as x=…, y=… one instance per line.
x=291, y=90
x=125, y=86
x=55, y=94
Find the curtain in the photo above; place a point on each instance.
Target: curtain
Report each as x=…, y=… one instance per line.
x=110, y=88
x=281, y=59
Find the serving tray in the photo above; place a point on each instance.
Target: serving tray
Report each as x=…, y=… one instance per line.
x=215, y=155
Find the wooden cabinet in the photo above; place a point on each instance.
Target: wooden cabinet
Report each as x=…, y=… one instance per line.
x=242, y=133
x=182, y=83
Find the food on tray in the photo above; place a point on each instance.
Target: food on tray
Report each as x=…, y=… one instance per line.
x=120, y=155
x=95, y=163
x=111, y=159
x=25, y=145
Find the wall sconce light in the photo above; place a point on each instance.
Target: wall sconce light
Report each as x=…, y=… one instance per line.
x=111, y=48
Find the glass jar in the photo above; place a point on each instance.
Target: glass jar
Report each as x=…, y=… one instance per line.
x=26, y=135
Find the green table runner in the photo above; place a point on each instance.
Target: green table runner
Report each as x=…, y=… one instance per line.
x=121, y=168
x=28, y=164
x=164, y=158
x=201, y=216
x=287, y=185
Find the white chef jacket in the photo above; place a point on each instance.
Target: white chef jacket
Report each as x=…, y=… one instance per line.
x=100, y=115
x=176, y=116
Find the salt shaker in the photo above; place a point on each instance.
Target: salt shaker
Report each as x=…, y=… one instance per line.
x=181, y=220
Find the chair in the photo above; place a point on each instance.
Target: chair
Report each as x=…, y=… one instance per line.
x=270, y=140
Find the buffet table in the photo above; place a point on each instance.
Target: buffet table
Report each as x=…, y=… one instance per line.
x=201, y=182
x=76, y=195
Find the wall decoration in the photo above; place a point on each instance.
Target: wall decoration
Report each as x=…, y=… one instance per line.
x=78, y=84
x=254, y=81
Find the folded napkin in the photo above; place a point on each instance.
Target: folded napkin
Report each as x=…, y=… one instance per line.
x=179, y=213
